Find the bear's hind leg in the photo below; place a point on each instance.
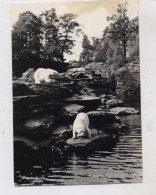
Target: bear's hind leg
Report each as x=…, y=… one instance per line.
x=89, y=132
x=74, y=134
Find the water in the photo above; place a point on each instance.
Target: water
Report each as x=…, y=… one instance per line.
x=121, y=164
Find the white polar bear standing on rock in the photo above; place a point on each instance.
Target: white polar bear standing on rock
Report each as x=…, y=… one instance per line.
x=42, y=74
x=81, y=126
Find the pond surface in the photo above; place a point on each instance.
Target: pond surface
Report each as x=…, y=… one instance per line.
x=120, y=164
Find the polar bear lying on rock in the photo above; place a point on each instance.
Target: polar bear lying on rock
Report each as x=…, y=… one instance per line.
x=42, y=74
x=81, y=126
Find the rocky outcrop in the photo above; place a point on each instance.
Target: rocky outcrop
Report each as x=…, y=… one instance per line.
x=44, y=113
x=128, y=80
x=102, y=69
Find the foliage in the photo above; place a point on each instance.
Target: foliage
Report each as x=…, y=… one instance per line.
x=134, y=42
x=51, y=49
x=26, y=41
x=42, y=41
x=121, y=28
x=86, y=55
x=99, y=48
x=119, y=44
x=68, y=27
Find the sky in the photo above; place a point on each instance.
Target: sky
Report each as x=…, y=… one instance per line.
x=91, y=15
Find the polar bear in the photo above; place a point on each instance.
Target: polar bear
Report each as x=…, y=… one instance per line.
x=42, y=74
x=81, y=126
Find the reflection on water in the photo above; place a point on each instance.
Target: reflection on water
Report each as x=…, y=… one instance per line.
x=121, y=164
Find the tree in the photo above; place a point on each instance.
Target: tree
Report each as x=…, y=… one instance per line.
x=134, y=42
x=86, y=55
x=99, y=50
x=51, y=48
x=26, y=41
x=68, y=27
x=121, y=28
x=113, y=51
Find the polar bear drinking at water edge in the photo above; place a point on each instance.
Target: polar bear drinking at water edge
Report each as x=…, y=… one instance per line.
x=81, y=126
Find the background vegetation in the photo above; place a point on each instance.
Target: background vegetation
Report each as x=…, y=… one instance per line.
x=42, y=41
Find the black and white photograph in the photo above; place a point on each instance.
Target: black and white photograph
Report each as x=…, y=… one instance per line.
x=76, y=93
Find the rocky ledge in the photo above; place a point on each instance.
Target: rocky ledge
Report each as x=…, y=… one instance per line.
x=44, y=113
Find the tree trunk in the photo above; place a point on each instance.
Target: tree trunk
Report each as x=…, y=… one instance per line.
x=125, y=54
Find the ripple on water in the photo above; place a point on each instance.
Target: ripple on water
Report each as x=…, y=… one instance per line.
x=121, y=164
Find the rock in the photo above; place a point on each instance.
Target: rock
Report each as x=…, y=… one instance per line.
x=101, y=68
x=73, y=64
x=75, y=72
x=61, y=129
x=91, y=102
x=61, y=75
x=123, y=111
x=73, y=109
x=99, y=118
x=44, y=122
x=22, y=89
x=43, y=112
x=74, y=75
x=111, y=128
x=87, y=91
x=94, y=143
x=114, y=103
x=25, y=87
x=127, y=80
x=103, y=99
x=27, y=142
x=33, y=105
x=83, y=83
x=26, y=152
x=122, y=127
x=39, y=127
x=29, y=74
x=69, y=113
